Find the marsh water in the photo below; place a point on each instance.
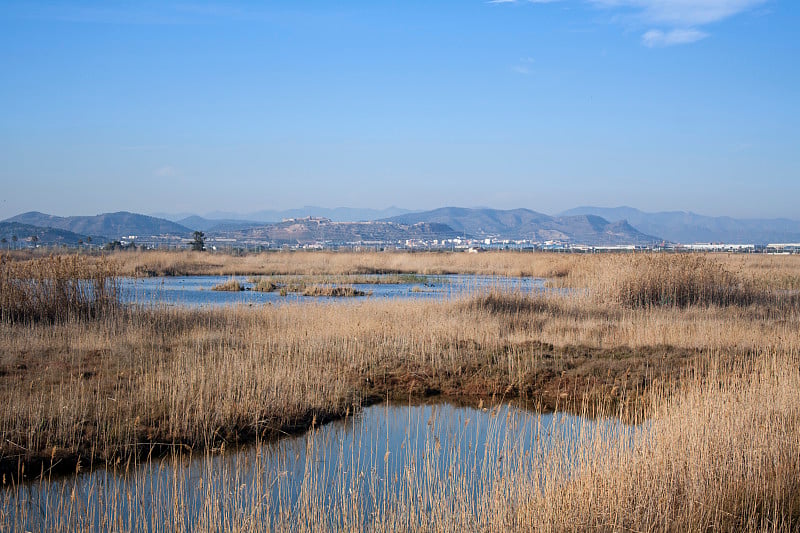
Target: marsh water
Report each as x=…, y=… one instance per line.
x=384, y=455
x=195, y=291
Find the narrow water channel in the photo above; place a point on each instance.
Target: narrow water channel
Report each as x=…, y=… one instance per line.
x=385, y=458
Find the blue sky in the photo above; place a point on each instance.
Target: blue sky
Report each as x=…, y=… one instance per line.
x=238, y=106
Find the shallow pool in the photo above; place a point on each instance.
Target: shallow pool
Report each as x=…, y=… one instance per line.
x=194, y=291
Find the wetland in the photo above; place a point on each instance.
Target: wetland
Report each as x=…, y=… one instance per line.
x=700, y=350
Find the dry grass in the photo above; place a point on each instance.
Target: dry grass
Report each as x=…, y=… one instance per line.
x=265, y=285
x=157, y=263
x=56, y=288
x=325, y=285
x=676, y=281
x=721, y=454
x=717, y=381
x=103, y=389
x=333, y=291
x=232, y=285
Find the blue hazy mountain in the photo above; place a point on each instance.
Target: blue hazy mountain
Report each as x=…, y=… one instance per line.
x=531, y=225
x=108, y=225
x=44, y=236
x=688, y=227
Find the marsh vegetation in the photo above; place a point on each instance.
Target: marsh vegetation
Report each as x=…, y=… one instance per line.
x=702, y=351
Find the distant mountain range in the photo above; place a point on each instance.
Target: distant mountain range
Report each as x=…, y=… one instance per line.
x=530, y=225
x=25, y=232
x=688, y=227
x=594, y=226
x=105, y=226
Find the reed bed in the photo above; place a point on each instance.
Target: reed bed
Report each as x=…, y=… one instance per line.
x=324, y=263
x=718, y=452
x=56, y=288
x=308, y=285
x=98, y=391
x=573, y=269
x=334, y=291
x=675, y=281
x=232, y=285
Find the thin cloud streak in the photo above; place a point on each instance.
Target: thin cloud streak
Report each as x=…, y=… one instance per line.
x=676, y=21
x=656, y=38
x=681, y=13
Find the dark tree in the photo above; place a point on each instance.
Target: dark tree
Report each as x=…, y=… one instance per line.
x=198, y=244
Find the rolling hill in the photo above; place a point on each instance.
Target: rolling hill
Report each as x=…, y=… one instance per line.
x=688, y=227
x=531, y=225
x=45, y=236
x=106, y=225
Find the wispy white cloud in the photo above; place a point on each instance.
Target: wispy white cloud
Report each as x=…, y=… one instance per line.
x=681, y=13
x=669, y=22
x=653, y=38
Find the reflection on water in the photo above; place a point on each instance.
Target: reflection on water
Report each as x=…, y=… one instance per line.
x=197, y=290
x=387, y=458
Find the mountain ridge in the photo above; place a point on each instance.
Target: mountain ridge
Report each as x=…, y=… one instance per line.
x=105, y=225
x=44, y=236
x=689, y=227
x=531, y=225
x=581, y=225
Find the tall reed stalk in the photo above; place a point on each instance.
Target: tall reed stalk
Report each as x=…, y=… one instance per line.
x=56, y=288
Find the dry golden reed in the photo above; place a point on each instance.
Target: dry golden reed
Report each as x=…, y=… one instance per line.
x=647, y=280
x=231, y=285
x=56, y=288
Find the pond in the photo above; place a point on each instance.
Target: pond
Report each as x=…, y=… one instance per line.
x=195, y=291
x=387, y=459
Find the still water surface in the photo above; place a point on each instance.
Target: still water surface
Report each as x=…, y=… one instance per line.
x=193, y=291
x=386, y=455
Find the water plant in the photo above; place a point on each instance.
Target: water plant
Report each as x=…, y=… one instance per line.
x=231, y=285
